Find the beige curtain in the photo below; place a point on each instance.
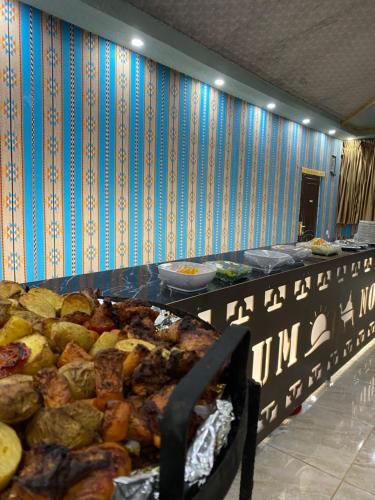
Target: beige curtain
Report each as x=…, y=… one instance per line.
x=356, y=198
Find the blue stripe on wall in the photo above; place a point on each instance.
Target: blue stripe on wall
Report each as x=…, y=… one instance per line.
x=284, y=145
x=78, y=147
x=234, y=174
x=67, y=215
x=260, y=177
x=202, y=168
x=219, y=172
x=247, y=175
x=272, y=173
x=183, y=166
x=112, y=149
x=292, y=174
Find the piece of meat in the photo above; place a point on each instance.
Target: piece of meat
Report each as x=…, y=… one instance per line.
x=130, y=309
x=140, y=328
x=103, y=318
x=181, y=362
x=151, y=374
x=53, y=386
x=98, y=485
x=73, y=353
x=108, y=364
x=49, y=470
x=78, y=317
x=152, y=409
x=138, y=430
x=198, y=340
x=116, y=421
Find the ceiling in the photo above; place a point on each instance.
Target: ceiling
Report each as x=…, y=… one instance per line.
x=320, y=51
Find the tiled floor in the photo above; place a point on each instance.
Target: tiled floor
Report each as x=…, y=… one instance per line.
x=328, y=451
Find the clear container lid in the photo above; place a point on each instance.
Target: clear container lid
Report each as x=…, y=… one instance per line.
x=230, y=271
x=267, y=260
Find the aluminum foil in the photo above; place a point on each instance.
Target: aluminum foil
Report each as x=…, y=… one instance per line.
x=165, y=318
x=210, y=438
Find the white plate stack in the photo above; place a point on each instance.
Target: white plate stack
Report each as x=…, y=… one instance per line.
x=366, y=231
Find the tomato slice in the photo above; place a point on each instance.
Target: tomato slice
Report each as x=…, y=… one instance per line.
x=13, y=356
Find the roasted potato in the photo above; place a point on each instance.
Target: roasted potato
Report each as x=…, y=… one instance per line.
x=74, y=302
x=47, y=295
x=133, y=359
x=73, y=353
x=18, y=399
x=81, y=379
x=128, y=345
x=10, y=289
x=10, y=454
x=63, y=332
x=41, y=355
x=105, y=341
x=38, y=305
x=74, y=425
x=5, y=306
x=14, y=329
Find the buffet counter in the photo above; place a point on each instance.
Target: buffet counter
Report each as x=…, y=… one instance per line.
x=305, y=322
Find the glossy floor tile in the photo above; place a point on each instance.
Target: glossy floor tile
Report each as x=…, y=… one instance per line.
x=348, y=492
x=320, y=436
x=362, y=471
x=328, y=451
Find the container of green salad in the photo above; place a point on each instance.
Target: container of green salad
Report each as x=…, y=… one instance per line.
x=231, y=272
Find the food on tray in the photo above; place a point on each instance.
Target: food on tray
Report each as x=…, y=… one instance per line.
x=187, y=270
x=187, y=276
x=231, y=271
x=83, y=385
x=319, y=246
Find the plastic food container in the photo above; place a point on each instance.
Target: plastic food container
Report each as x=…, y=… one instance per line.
x=325, y=249
x=230, y=272
x=267, y=260
x=187, y=276
x=295, y=252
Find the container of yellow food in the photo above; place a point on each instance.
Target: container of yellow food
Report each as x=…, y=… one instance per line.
x=187, y=276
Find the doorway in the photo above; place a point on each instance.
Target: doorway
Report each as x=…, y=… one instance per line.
x=308, y=207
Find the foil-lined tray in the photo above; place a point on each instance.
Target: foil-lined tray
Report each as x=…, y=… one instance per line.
x=210, y=438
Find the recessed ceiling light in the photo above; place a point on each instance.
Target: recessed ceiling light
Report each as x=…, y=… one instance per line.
x=219, y=82
x=306, y=121
x=271, y=105
x=332, y=131
x=137, y=42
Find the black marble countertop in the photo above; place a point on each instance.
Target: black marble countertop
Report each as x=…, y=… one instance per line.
x=143, y=281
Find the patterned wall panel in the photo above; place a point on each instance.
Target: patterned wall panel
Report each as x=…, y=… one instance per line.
x=109, y=159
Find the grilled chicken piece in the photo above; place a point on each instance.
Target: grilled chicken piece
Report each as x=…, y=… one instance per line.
x=98, y=485
x=116, y=421
x=78, y=317
x=103, y=318
x=140, y=328
x=181, y=362
x=128, y=310
x=151, y=374
x=138, y=430
x=53, y=386
x=53, y=472
x=108, y=365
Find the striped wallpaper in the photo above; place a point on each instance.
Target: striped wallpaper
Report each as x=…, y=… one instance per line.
x=109, y=159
